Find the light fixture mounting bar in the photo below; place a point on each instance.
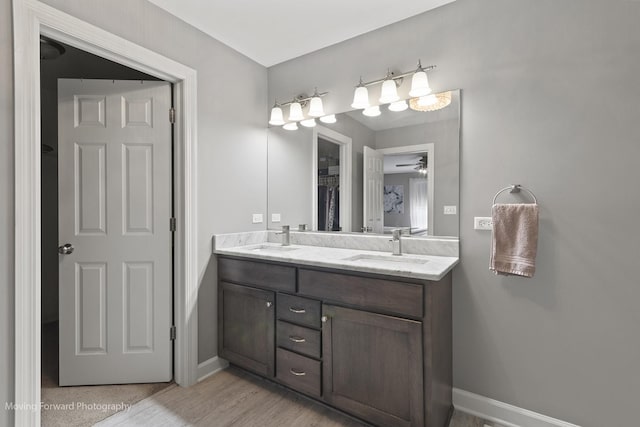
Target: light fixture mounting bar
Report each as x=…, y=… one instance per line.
x=396, y=77
x=302, y=99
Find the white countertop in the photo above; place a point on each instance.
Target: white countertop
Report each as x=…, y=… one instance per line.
x=426, y=267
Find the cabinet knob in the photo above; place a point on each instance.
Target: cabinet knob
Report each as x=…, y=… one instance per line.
x=269, y=303
x=324, y=319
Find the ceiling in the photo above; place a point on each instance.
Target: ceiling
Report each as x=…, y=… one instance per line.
x=270, y=32
x=391, y=162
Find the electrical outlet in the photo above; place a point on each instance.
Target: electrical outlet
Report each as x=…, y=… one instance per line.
x=450, y=210
x=275, y=217
x=257, y=218
x=482, y=223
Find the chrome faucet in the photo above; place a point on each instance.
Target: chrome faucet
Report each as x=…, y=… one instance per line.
x=397, y=242
x=285, y=235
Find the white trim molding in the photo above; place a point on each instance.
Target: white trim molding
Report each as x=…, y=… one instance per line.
x=502, y=413
x=210, y=367
x=30, y=19
x=346, y=177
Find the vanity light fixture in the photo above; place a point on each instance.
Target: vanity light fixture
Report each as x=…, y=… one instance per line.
x=295, y=112
x=295, y=108
x=290, y=126
x=389, y=92
x=390, y=84
x=315, y=105
x=398, y=106
x=331, y=118
x=431, y=102
x=360, y=96
x=373, y=111
x=276, y=116
x=425, y=101
x=419, y=83
x=309, y=123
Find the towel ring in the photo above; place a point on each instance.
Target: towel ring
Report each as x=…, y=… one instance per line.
x=515, y=188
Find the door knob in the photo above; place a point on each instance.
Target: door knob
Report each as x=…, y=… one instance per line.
x=65, y=249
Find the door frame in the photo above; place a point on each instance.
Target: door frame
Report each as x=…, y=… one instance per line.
x=346, y=177
x=430, y=149
x=30, y=19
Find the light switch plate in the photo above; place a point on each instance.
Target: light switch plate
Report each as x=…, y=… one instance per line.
x=275, y=217
x=450, y=210
x=257, y=218
x=482, y=223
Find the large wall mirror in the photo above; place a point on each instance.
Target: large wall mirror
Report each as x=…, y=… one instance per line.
x=399, y=169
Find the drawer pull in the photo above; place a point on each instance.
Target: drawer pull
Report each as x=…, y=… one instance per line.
x=296, y=339
x=297, y=373
x=297, y=310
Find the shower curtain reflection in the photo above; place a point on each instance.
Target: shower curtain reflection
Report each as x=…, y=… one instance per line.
x=419, y=205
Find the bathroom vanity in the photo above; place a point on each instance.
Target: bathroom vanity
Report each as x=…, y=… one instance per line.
x=374, y=345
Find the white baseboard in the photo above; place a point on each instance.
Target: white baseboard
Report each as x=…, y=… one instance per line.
x=210, y=367
x=502, y=413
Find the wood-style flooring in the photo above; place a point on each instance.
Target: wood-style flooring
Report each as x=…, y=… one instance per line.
x=235, y=398
x=81, y=406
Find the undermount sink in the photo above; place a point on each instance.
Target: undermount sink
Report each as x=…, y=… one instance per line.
x=395, y=259
x=273, y=248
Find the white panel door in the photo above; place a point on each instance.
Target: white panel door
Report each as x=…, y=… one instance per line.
x=373, y=208
x=114, y=177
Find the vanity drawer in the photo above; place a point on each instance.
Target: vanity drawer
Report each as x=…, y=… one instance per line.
x=299, y=339
x=302, y=311
x=298, y=372
x=386, y=295
x=270, y=276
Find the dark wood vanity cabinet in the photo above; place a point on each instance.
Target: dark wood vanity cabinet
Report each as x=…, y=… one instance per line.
x=376, y=347
x=373, y=366
x=246, y=327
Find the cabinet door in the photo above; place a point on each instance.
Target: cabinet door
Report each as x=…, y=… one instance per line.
x=246, y=327
x=372, y=366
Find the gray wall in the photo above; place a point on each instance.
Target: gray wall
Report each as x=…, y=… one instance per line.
x=6, y=213
x=289, y=176
x=232, y=106
x=549, y=100
x=445, y=136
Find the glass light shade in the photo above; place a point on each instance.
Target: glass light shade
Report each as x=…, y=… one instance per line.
x=442, y=100
x=290, y=126
x=360, y=98
x=425, y=101
x=309, y=123
x=315, y=107
x=419, y=84
x=295, y=112
x=398, y=106
x=276, y=116
x=373, y=111
x=389, y=92
x=331, y=118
